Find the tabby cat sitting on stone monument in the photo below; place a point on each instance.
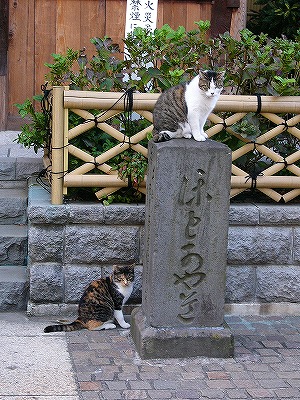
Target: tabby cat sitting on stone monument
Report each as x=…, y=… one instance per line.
x=182, y=110
x=102, y=302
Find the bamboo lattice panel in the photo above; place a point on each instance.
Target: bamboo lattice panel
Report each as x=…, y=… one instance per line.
x=111, y=180
x=265, y=179
x=282, y=171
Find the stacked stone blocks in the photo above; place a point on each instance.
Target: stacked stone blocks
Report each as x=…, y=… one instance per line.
x=264, y=253
x=14, y=172
x=72, y=244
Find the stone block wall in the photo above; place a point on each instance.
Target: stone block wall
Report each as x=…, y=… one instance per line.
x=72, y=244
x=263, y=253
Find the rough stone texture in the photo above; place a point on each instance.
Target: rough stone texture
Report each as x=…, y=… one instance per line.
x=240, y=284
x=278, y=283
x=13, y=205
x=185, y=252
x=48, y=214
x=125, y=214
x=274, y=215
x=26, y=167
x=45, y=243
x=14, y=172
x=296, y=248
x=243, y=214
x=259, y=245
x=168, y=342
x=261, y=236
x=186, y=233
x=85, y=213
x=7, y=169
x=52, y=309
x=136, y=294
x=46, y=283
x=74, y=287
x=101, y=244
x=13, y=288
x=13, y=245
x=19, y=168
x=13, y=296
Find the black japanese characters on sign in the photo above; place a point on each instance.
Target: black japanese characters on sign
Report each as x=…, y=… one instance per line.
x=193, y=198
x=142, y=13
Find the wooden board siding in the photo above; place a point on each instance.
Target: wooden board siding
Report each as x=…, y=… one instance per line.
x=3, y=61
x=252, y=6
x=39, y=28
x=21, y=60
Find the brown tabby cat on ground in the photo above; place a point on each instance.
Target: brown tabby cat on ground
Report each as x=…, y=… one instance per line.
x=102, y=302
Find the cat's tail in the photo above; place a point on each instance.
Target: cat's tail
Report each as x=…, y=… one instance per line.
x=73, y=326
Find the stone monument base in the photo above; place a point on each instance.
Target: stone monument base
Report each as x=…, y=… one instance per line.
x=178, y=342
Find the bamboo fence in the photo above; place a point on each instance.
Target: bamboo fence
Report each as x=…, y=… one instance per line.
x=110, y=104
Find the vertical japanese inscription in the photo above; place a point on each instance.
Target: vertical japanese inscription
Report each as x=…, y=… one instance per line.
x=142, y=13
x=193, y=199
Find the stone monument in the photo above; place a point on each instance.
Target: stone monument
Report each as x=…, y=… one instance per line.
x=186, y=229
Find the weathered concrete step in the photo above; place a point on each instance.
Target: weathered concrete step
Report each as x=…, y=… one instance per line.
x=13, y=206
x=20, y=184
x=19, y=168
x=13, y=244
x=14, y=288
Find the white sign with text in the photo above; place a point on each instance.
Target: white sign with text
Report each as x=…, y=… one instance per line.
x=142, y=13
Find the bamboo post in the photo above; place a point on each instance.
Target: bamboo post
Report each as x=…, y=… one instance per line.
x=66, y=142
x=57, y=145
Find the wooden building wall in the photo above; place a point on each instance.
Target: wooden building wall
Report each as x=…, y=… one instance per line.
x=38, y=28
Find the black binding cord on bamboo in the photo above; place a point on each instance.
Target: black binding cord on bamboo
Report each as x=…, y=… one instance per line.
x=95, y=163
x=128, y=102
x=258, y=110
x=127, y=120
x=286, y=164
x=223, y=123
x=61, y=147
x=39, y=179
x=286, y=125
x=253, y=176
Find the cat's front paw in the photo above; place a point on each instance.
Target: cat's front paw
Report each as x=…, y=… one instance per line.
x=109, y=326
x=161, y=137
x=200, y=137
x=125, y=325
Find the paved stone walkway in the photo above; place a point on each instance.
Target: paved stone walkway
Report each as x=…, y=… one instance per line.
x=266, y=365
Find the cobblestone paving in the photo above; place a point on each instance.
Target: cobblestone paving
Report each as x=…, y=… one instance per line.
x=266, y=365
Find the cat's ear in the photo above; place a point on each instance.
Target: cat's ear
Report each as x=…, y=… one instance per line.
x=220, y=75
x=115, y=268
x=118, y=268
x=202, y=73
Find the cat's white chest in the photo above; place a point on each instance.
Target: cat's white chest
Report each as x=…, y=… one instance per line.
x=125, y=291
x=196, y=99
